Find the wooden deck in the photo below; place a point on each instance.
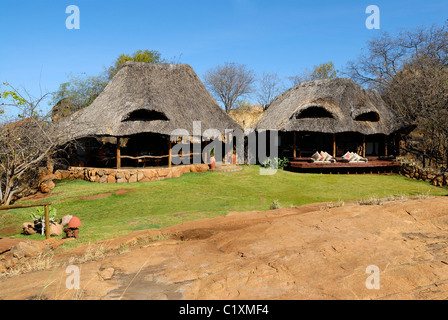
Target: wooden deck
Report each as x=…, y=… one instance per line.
x=374, y=165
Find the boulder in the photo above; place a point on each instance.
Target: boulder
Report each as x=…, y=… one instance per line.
x=28, y=228
x=163, y=173
x=150, y=174
x=132, y=178
x=27, y=249
x=140, y=175
x=46, y=186
x=55, y=229
x=111, y=179
x=61, y=174
x=107, y=274
x=65, y=220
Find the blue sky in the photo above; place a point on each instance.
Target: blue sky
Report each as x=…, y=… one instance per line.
x=284, y=36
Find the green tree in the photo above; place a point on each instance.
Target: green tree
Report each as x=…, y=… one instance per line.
x=322, y=71
x=77, y=93
x=81, y=90
x=147, y=56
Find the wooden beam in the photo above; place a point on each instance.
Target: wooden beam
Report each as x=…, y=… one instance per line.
x=169, y=154
x=118, y=154
x=385, y=146
x=294, y=151
x=86, y=153
x=47, y=222
x=334, y=145
x=23, y=206
x=363, y=146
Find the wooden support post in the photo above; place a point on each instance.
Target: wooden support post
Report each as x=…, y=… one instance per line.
x=47, y=222
x=363, y=146
x=169, y=150
x=118, y=154
x=294, y=151
x=86, y=153
x=385, y=146
x=334, y=145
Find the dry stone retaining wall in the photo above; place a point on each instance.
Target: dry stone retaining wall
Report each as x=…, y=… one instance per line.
x=414, y=171
x=126, y=175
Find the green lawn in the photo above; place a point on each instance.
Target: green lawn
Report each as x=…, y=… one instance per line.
x=164, y=203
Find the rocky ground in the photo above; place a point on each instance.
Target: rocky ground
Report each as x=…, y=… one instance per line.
x=317, y=251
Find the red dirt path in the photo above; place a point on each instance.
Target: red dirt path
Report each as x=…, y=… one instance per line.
x=296, y=253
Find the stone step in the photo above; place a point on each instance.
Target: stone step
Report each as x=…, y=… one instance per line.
x=227, y=168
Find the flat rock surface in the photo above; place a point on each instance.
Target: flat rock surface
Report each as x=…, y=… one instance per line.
x=6, y=244
x=310, y=252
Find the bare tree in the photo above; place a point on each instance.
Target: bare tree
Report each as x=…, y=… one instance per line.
x=229, y=82
x=24, y=144
x=410, y=70
x=270, y=86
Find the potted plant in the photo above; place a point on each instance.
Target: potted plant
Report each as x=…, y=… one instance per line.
x=212, y=159
x=39, y=218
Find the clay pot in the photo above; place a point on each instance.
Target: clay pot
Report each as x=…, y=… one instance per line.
x=212, y=162
x=234, y=158
x=74, y=223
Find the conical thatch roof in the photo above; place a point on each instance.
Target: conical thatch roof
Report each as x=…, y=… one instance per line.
x=149, y=98
x=332, y=106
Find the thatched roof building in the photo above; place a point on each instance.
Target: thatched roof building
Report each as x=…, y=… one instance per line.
x=151, y=98
x=333, y=107
x=146, y=102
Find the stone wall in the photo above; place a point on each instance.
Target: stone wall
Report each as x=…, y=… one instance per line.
x=127, y=175
x=414, y=171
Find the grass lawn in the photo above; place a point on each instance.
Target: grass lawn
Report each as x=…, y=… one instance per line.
x=193, y=196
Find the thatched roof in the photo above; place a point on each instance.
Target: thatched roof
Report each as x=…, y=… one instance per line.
x=332, y=106
x=149, y=98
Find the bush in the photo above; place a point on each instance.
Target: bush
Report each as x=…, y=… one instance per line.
x=275, y=205
x=277, y=163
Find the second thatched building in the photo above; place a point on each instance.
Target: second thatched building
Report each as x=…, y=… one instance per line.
x=335, y=116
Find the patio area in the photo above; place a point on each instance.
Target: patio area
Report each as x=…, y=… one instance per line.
x=374, y=165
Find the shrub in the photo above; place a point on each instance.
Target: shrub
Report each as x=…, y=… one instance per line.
x=275, y=205
x=277, y=163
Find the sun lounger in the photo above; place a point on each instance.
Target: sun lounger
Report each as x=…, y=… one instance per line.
x=353, y=157
x=322, y=157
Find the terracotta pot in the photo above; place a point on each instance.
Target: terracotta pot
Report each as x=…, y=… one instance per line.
x=212, y=162
x=234, y=158
x=74, y=223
